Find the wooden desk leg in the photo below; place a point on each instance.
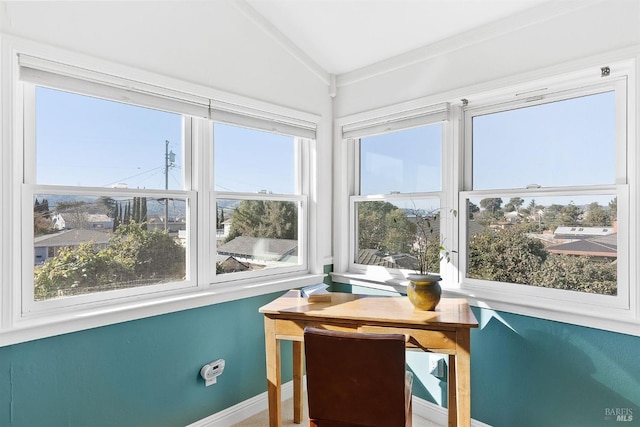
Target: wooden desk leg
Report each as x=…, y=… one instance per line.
x=272, y=348
x=297, y=381
x=452, y=389
x=463, y=378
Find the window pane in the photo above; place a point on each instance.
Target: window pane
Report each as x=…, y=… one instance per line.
x=253, y=161
x=396, y=234
x=256, y=235
x=85, y=141
x=564, y=143
x=554, y=242
x=93, y=244
x=408, y=161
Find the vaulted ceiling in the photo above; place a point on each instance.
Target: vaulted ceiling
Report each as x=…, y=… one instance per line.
x=345, y=35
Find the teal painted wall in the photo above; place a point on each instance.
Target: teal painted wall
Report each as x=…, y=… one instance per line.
x=532, y=372
x=138, y=373
x=525, y=371
x=529, y=372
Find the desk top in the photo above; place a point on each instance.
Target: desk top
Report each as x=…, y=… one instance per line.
x=450, y=312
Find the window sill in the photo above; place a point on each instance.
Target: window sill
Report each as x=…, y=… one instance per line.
x=388, y=284
x=613, y=320
x=42, y=326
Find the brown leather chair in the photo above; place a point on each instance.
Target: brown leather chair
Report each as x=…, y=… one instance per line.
x=357, y=379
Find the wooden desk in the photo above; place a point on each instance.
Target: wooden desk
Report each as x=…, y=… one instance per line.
x=445, y=331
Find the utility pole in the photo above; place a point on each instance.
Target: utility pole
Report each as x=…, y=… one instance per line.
x=169, y=159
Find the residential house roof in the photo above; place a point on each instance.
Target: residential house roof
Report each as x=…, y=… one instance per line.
x=584, y=231
x=259, y=247
x=371, y=257
x=605, y=246
x=71, y=238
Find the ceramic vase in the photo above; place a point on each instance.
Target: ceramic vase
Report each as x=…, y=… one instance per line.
x=424, y=291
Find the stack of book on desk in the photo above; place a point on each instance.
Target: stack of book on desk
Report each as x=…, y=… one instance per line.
x=316, y=293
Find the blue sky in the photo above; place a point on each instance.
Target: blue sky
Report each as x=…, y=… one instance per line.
x=563, y=143
x=84, y=141
x=90, y=142
x=405, y=161
x=248, y=160
x=566, y=143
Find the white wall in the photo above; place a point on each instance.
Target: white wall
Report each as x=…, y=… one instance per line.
x=205, y=42
x=208, y=43
x=555, y=33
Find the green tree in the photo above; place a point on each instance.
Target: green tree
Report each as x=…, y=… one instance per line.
x=570, y=215
x=511, y=256
x=126, y=219
x=492, y=208
x=149, y=253
x=372, y=224
x=42, y=223
x=400, y=233
x=514, y=204
x=613, y=208
x=577, y=273
x=473, y=208
x=117, y=216
x=105, y=205
x=143, y=213
x=139, y=210
x=596, y=216
x=72, y=270
x=552, y=217
x=505, y=256
x=265, y=218
x=132, y=255
x=135, y=213
x=220, y=218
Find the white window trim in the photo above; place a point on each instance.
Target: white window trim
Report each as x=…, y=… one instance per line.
x=373, y=270
x=14, y=327
x=623, y=319
x=579, y=308
x=546, y=296
x=347, y=130
x=30, y=307
x=302, y=238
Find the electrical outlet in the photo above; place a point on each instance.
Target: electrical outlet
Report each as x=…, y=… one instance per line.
x=437, y=366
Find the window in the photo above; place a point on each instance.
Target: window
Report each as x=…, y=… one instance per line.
x=398, y=180
x=535, y=187
x=134, y=193
x=109, y=205
x=546, y=202
x=260, y=204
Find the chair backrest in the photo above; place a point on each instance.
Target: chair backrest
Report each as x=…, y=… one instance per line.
x=356, y=379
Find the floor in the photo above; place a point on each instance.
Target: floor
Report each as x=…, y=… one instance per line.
x=262, y=419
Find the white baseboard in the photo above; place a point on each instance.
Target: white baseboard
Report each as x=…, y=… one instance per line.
x=248, y=408
x=435, y=413
x=243, y=410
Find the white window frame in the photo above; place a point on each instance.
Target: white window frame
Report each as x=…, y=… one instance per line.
x=374, y=270
x=618, y=314
x=31, y=307
x=299, y=200
x=545, y=300
x=349, y=132
x=23, y=319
